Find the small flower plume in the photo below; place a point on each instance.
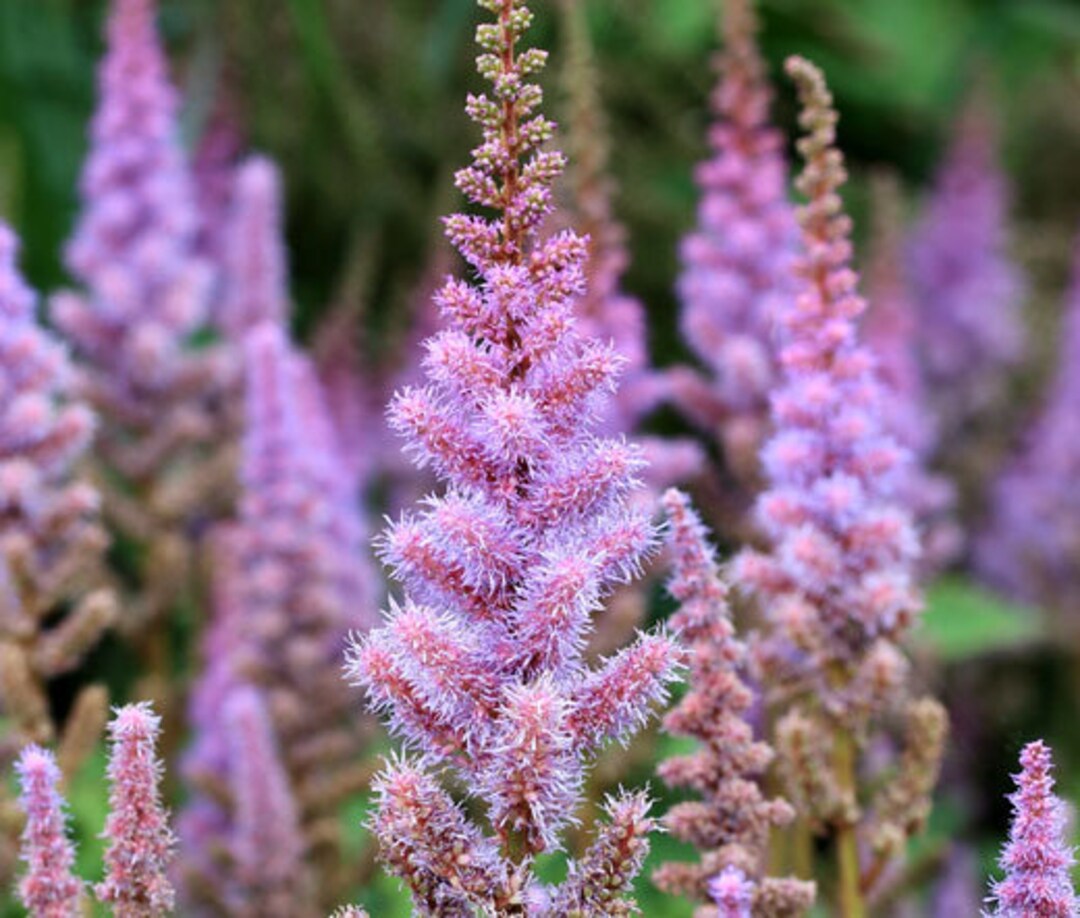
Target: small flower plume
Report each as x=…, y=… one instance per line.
x=1029, y=549
x=254, y=286
x=214, y=163
x=480, y=667
x=269, y=878
x=1036, y=860
x=837, y=586
x=48, y=888
x=731, y=825
x=51, y=540
x=968, y=290
x=891, y=331
x=737, y=263
x=146, y=293
x=140, y=843
x=291, y=583
x=605, y=310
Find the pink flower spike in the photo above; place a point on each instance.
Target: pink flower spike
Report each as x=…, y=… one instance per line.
x=140, y=841
x=1036, y=860
x=48, y=889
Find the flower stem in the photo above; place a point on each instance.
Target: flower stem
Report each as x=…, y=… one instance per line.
x=849, y=893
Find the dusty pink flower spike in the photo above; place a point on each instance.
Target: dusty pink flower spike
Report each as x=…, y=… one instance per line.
x=140, y=841
x=48, y=889
x=1036, y=860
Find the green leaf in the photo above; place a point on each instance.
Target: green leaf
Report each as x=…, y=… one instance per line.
x=963, y=620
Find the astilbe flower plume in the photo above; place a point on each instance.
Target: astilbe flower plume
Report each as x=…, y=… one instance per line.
x=292, y=581
x=836, y=587
x=1030, y=547
x=146, y=294
x=51, y=541
x=140, y=842
x=49, y=888
x=891, y=331
x=737, y=263
x=214, y=163
x=605, y=310
x=480, y=667
x=968, y=291
x=1036, y=860
x=732, y=822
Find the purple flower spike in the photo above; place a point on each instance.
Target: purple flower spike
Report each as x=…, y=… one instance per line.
x=254, y=285
x=737, y=263
x=141, y=845
x=1036, y=860
x=292, y=581
x=145, y=289
x=969, y=292
x=48, y=889
x=267, y=847
x=1029, y=549
x=480, y=667
x=839, y=578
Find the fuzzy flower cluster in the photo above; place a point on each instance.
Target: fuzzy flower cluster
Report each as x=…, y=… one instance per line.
x=968, y=291
x=837, y=585
x=605, y=310
x=480, y=667
x=732, y=822
x=145, y=289
x=51, y=542
x=139, y=842
x=291, y=584
x=1032, y=543
x=737, y=263
x=891, y=331
x=1037, y=862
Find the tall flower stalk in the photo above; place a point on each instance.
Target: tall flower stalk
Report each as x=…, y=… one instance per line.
x=733, y=821
x=836, y=586
x=737, y=262
x=1036, y=860
x=145, y=296
x=479, y=668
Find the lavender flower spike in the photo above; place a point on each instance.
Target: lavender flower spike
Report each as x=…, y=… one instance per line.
x=737, y=263
x=49, y=889
x=479, y=667
x=838, y=581
x=145, y=288
x=969, y=292
x=1029, y=548
x=1036, y=860
x=254, y=285
x=141, y=844
x=731, y=825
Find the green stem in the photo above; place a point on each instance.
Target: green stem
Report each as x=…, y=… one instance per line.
x=849, y=892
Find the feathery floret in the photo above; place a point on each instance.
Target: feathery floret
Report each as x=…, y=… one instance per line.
x=48, y=889
x=737, y=263
x=480, y=668
x=140, y=843
x=1036, y=860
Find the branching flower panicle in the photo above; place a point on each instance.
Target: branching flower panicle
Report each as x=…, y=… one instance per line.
x=480, y=666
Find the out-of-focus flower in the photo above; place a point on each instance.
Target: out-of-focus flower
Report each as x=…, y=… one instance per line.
x=968, y=291
x=737, y=263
